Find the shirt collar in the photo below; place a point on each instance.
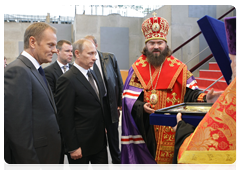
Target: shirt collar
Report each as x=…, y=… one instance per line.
x=61, y=65
x=83, y=70
x=32, y=59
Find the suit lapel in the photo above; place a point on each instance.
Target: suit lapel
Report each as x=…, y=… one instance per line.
x=82, y=79
x=57, y=69
x=35, y=72
x=99, y=78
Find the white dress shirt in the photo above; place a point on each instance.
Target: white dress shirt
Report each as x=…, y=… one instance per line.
x=84, y=72
x=98, y=63
x=33, y=60
x=61, y=66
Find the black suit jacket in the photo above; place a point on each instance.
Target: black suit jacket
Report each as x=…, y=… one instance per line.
x=114, y=83
x=52, y=73
x=80, y=113
x=30, y=126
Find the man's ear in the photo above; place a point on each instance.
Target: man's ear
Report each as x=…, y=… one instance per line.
x=32, y=42
x=58, y=51
x=77, y=53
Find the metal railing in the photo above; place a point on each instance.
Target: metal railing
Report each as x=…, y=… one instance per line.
x=192, y=38
x=207, y=58
x=37, y=18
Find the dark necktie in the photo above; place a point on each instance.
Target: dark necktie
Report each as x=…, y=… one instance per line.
x=40, y=70
x=100, y=80
x=91, y=81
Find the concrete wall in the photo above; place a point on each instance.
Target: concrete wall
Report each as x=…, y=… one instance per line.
x=182, y=20
x=92, y=24
x=14, y=33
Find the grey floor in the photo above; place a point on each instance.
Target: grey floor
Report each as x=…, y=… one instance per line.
x=109, y=156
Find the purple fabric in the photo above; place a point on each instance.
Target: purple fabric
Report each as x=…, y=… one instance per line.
x=132, y=153
x=230, y=26
x=215, y=34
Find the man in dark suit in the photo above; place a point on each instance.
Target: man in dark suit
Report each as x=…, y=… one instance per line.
x=80, y=108
x=55, y=70
x=110, y=79
x=61, y=65
x=31, y=131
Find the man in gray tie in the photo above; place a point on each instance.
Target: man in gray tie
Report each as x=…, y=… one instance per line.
x=110, y=80
x=80, y=108
x=61, y=65
x=31, y=131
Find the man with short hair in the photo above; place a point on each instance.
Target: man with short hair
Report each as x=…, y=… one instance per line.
x=110, y=79
x=80, y=108
x=156, y=80
x=64, y=57
x=31, y=131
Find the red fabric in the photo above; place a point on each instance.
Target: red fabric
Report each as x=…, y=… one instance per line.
x=217, y=130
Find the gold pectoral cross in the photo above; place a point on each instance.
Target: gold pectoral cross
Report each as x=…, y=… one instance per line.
x=173, y=100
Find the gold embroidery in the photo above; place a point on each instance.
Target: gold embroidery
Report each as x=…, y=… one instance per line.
x=141, y=61
x=173, y=61
x=214, y=140
x=173, y=81
x=208, y=157
x=173, y=100
x=135, y=83
x=189, y=74
x=184, y=82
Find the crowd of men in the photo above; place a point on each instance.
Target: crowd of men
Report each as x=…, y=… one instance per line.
x=73, y=108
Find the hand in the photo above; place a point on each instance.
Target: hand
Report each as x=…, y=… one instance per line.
x=77, y=154
x=147, y=108
x=212, y=96
x=119, y=108
x=179, y=118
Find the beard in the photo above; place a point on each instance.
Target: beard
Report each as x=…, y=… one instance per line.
x=157, y=59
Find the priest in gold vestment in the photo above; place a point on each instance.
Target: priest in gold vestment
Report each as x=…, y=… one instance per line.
x=214, y=139
x=156, y=80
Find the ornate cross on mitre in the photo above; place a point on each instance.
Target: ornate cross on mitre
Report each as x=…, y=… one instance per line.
x=154, y=14
x=173, y=100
